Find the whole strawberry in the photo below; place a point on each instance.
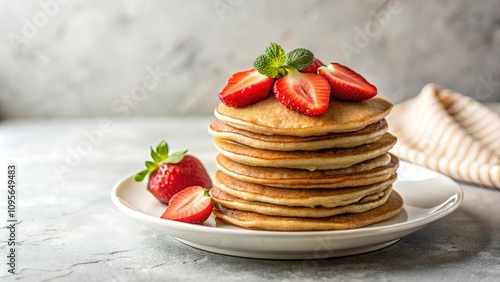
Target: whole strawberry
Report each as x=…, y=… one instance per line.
x=171, y=174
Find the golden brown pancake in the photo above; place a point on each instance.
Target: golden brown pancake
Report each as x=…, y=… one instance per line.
x=333, y=158
x=365, y=173
x=364, y=204
x=369, y=134
x=328, y=198
x=270, y=117
x=251, y=220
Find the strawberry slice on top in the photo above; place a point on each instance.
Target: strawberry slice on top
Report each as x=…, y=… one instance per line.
x=191, y=205
x=245, y=88
x=305, y=93
x=347, y=84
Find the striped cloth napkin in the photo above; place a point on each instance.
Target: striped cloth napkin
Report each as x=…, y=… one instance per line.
x=451, y=133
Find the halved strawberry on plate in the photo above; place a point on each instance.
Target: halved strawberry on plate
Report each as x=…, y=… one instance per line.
x=347, y=84
x=191, y=205
x=245, y=88
x=305, y=93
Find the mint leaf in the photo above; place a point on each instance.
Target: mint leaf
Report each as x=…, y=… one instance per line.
x=264, y=65
x=299, y=58
x=276, y=53
x=271, y=62
x=275, y=63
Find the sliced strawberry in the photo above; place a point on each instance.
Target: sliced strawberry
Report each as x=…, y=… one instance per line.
x=347, y=84
x=245, y=88
x=191, y=205
x=313, y=68
x=305, y=93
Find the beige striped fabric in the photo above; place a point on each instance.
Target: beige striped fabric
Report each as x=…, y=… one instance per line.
x=449, y=132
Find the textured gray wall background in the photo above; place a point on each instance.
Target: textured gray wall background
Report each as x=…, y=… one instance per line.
x=123, y=58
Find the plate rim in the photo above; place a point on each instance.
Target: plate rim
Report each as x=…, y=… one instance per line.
x=351, y=233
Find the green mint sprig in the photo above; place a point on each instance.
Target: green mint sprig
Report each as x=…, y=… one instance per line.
x=275, y=63
x=159, y=157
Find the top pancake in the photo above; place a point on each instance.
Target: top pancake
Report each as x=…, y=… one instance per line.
x=252, y=220
x=271, y=117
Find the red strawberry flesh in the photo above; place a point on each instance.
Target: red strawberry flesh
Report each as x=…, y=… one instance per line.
x=191, y=205
x=347, y=84
x=245, y=88
x=305, y=93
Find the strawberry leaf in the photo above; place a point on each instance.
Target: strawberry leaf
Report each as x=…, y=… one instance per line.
x=159, y=157
x=216, y=204
x=151, y=165
x=175, y=157
x=299, y=58
x=162, y=149
x=155, y=156
x=141, y=175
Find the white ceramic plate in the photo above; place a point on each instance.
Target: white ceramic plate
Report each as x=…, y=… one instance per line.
x=428, y=196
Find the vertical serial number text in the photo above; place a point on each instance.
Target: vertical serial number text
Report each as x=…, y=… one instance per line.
x=11, y=217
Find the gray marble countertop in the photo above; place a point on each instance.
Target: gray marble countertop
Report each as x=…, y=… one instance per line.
x=69, y=230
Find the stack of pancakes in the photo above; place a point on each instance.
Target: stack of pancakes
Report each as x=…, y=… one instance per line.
x=281, y=170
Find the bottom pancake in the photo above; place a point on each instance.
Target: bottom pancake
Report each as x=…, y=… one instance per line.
x=251, y=220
